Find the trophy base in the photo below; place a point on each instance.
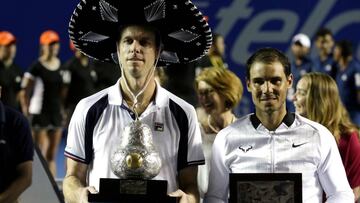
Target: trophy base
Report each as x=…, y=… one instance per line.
x=131, y=191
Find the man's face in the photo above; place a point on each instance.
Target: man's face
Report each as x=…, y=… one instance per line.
x=325, y=44
x=268, y=86
x=299, y=51
x=337, y=54
x=137, y=51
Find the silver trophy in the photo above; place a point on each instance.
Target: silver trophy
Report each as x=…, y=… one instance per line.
x=136, y=157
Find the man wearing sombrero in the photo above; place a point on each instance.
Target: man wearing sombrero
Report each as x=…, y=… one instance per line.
x=138, y=35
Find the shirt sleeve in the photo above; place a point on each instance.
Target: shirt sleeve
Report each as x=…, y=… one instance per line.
x=218, y=188
x=75, y=145
x=195, y=152
x=331, y=171
x=33, y=71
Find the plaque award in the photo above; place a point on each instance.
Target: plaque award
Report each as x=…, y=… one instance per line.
x=265, y=187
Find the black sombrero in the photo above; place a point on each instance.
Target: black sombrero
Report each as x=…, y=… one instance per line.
x=185, y=34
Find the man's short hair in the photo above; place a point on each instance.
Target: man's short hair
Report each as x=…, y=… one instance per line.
x=322, y=32
x=268, y=55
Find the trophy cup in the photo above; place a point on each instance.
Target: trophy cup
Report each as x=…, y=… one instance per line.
x=135, y=162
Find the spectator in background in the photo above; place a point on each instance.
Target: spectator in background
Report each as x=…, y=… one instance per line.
x=82, y=80
x=16, y=154
x=177, y=75
x=300, y=65
x=160, y=76
x=107, y=73
x=324, y=62
x=274, y=140
x=45, y=80
x=219, y=91
x=10, y=73
x=317, y=98
x=348, y=79
x=215, y=57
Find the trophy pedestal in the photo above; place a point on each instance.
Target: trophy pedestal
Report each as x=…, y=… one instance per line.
x=131, y=191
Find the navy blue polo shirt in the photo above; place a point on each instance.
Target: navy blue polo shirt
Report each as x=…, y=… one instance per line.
x=16, y=144
x=348, y=82
x=297, y=71
x=327, y=66
x=10, y=79
x=300, y=70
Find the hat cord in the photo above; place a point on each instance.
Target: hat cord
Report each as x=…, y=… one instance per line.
x=135, y=97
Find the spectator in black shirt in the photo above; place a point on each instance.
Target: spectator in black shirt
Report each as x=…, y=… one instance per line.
x=10, y=73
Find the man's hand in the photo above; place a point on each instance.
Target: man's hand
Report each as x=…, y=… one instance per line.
x=84, y=193
x=184, y=198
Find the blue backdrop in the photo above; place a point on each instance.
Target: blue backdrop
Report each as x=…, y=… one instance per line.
x=246, y=25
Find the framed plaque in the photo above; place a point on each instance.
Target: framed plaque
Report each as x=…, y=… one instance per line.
x=265, y=188
x=131, y=191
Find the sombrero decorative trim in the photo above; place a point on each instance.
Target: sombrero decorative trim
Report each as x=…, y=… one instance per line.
x=108, y=12
x=94, y=26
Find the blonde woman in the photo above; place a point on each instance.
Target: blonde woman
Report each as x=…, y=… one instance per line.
x=317, y=98
x=219, y=91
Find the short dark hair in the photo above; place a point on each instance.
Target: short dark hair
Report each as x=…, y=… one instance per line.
x=268, y=55
x=322, y=32
x=346, y=48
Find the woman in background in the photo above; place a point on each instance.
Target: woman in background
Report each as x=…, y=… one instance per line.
x=45, y=80
x=219, y=91
x=317, y=98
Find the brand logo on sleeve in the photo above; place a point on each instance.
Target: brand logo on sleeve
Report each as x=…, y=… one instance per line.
x=245, y=148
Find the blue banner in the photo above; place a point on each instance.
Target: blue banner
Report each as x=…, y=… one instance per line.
x=246, y=24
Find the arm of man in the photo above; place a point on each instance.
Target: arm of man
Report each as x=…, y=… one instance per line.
x=19, y=185
x=188, y=192
x=74, y=185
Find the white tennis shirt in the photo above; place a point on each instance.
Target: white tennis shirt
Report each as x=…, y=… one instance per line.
x=98, y=121
x=298, y=145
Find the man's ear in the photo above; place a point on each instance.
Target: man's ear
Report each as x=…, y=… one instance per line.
x=248, y=85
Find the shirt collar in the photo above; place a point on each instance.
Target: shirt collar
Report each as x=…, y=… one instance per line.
x=288, y=119
x=161, y=96
x=116, y=98
x=114, y=94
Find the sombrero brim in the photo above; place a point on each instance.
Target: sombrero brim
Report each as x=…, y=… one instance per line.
x=185, y=34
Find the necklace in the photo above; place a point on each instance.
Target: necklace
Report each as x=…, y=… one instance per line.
x=213, y=128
